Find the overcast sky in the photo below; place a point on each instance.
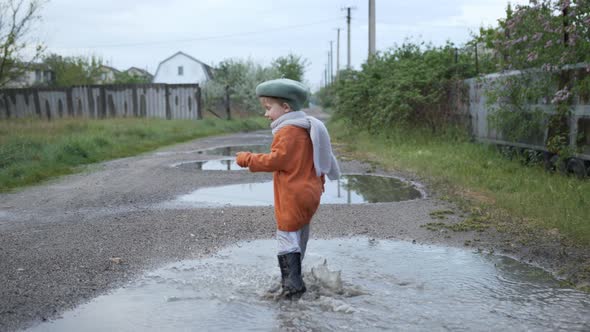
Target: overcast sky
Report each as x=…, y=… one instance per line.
x=142, y=33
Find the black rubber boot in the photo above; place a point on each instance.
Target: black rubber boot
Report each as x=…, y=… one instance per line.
x=284, y=269
x=292, y=280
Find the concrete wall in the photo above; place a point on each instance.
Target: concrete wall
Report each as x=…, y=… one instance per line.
x=579, y=122
x=181, y=101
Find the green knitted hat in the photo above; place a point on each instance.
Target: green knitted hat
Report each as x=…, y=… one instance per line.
x=295, y=93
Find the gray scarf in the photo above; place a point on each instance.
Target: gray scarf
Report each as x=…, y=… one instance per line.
x=324, y=160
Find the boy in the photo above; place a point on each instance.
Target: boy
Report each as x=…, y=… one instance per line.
x=301, y=154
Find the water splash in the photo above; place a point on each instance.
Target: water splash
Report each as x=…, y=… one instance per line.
x=353, y=284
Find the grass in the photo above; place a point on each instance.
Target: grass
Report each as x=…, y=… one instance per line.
x=34, y=150
x=479, y=173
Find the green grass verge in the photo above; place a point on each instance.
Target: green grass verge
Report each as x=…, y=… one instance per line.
x=33, y=150
x=458, y=167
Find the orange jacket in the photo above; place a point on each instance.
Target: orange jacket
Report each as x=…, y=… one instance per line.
x=297, y=188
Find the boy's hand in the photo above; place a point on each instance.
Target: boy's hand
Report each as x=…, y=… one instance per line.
x=243, y=159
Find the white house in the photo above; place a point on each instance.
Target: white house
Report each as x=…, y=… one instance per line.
x=35, y=75
x=182, y=68
x=108, y=75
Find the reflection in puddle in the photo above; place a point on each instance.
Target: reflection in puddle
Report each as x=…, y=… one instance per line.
x=222, y=151
x=225, y=164
x=372, y=285
x=211, y=165
x=350, y=189
x=232, y=150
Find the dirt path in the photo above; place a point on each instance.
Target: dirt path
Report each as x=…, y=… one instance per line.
x=67, y=241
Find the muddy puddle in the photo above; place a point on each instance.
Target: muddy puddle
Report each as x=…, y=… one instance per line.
x=222, y=150
x=353, y=284
x=221, y=164
x=228, y=164
x=350, y=189
x=232, y=150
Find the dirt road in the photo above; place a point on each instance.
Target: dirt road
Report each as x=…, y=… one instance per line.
x=74, y=238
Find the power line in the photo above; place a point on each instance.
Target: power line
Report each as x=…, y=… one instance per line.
x=265, y=31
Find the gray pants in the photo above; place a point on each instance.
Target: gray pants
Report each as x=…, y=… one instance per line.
x=293, y=241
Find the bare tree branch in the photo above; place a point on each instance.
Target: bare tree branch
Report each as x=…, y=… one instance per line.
x=16, y=19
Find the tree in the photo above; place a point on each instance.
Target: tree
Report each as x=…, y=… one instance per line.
x=291, y=66
x=17, y=17
x=74, y=70
x=127, y=78
x=242, y=77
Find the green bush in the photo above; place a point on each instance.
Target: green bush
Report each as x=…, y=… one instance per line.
x=406, y=86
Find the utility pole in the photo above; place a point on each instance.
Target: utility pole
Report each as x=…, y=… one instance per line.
x=328, y=70
x=338, y=54
x=476, y=60
x=371, y=27
x=331, y=62
x=348, y=28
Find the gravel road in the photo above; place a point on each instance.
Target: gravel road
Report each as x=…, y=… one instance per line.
x=69, y=240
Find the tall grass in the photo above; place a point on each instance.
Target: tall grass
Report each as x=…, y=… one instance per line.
x=34, y=150
x=551, y=201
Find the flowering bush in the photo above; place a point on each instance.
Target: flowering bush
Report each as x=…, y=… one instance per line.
x=550, y=35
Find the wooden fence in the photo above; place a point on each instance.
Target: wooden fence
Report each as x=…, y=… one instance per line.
x=166, y=101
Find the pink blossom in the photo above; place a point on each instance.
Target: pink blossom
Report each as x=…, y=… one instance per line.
x=510, y=24
x=532, y=57
x=537, y=36
x=561, y=95
x=565, y=4
x=572, y=39
x=549, y=43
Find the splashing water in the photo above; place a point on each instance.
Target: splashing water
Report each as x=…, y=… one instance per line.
x=353, y=284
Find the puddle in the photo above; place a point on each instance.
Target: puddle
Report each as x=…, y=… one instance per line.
x=232, y=150
x=223, y=150
x=366, y=285
x=224, y=164
x=211, y=165
x=350, y=189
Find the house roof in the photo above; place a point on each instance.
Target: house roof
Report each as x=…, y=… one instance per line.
x=38, y=65
x=115, y=70
x=208, y=69
x=143, y=71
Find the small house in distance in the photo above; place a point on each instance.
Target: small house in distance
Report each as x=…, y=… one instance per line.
x=140, y=73
x=182, y=68
x=35, y=75
x=108, y=75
